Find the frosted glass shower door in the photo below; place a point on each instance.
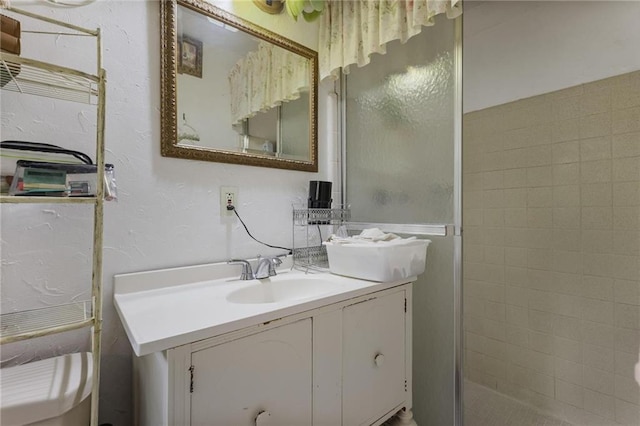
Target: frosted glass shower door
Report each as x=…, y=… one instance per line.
x=400, y=168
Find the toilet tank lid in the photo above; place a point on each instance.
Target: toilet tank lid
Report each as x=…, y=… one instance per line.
x=44, y=389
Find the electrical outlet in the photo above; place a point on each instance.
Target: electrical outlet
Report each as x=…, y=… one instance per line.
x=228, y=197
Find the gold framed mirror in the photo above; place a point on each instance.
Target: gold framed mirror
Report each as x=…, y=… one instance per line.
x=234, y=92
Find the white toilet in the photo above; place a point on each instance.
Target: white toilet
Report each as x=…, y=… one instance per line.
x=50, y=392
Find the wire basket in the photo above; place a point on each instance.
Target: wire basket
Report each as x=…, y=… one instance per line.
x=338, y=216
x=310, y=228
x=311, y=257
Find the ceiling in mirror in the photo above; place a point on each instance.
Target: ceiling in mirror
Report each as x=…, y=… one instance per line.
x=234, y=92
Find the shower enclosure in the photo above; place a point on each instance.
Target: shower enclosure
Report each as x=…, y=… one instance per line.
x=401, y=172
x=548, y=174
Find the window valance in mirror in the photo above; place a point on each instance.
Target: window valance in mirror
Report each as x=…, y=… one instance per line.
x=264, y=79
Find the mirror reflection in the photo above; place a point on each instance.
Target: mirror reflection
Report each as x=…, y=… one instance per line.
x=242, y=94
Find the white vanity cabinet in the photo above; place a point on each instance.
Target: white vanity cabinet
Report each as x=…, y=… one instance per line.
x=346, y=363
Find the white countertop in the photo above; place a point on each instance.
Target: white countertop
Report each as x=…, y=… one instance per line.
x=172, y=307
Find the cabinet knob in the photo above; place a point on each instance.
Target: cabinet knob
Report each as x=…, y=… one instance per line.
x=262, y=419
x=379, y=360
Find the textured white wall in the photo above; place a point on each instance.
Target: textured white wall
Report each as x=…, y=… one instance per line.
x=517, y=49
x=168, y=209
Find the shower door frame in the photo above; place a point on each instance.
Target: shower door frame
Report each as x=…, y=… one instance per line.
x=432, y=229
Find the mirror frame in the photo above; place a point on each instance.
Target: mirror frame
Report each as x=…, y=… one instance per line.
x=168, y=92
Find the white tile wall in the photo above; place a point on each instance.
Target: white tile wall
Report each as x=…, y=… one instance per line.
x=552, y=250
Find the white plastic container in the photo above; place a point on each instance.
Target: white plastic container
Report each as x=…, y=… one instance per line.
x=378, y=262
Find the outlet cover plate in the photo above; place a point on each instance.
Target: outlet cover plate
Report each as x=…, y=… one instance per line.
x=228, y=195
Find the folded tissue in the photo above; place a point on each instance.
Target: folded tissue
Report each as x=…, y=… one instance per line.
x=376, y=256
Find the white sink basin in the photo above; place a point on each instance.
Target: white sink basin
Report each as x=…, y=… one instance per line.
x=283, y=290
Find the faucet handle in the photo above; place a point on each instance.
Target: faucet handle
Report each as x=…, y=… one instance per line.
x=274, y=261
x=267, y=267
x=247, y=273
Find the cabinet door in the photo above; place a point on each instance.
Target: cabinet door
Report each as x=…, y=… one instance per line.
x=268, y=373
x=373, y=359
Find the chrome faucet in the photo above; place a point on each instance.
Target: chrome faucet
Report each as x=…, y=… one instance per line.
x=267, y=267
x=247, y=273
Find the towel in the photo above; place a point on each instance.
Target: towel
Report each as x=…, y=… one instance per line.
x=370, y=236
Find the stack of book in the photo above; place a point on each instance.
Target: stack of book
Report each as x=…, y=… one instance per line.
x=10, y=43
x=45, y=169
x=38, y=178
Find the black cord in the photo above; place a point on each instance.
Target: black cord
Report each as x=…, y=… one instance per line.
x=255, y=239
x=320, y=234
x=45, y=147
